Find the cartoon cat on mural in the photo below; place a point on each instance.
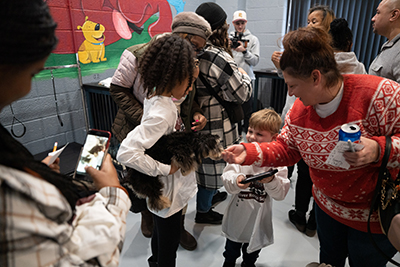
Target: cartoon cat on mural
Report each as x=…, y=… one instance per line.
x=93, y=48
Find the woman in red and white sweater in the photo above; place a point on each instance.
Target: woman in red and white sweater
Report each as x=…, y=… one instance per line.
x=325, y=101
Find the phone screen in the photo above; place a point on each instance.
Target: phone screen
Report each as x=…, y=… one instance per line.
x=94, y=150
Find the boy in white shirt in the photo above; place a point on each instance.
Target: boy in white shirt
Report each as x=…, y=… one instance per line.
x=247, y=223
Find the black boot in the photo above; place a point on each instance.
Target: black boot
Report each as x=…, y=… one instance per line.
x=311, y=227
x=298, y=218
x=147, y=223
x=152, y=263
x=210, y=217
x=229, y=264
x=187, y=241
x=218, y=198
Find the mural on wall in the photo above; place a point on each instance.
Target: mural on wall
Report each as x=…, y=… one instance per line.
x=123, y=23
x=93, y=48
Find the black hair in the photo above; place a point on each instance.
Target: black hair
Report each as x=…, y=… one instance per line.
x=342, y=37
x=167, y=62
x=28, y=36
x=27, y=31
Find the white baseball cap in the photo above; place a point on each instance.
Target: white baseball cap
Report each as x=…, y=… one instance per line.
x=239, y=15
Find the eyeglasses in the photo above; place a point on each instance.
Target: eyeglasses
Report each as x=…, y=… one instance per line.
x=199, y=51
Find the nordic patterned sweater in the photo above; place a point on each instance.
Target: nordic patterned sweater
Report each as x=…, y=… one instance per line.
x=369, y=101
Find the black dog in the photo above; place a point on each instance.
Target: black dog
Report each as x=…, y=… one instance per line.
x=185, y=150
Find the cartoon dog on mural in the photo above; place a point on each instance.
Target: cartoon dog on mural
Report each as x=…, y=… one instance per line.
x=93, y=48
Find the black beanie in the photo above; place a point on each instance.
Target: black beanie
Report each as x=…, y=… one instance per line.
x=213, y=13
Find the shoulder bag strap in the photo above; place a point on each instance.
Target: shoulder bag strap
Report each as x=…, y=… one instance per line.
x=211, y=90
x=382, y=169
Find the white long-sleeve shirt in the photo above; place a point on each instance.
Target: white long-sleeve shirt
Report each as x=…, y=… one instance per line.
x=159, y=118
x=248, y=217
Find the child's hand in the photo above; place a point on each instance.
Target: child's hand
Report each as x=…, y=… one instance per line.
x=199, y=122
x=266, y=180
x=239, y=179
x=174, y=169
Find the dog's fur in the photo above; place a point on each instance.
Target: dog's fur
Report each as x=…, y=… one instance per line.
x=184, y=149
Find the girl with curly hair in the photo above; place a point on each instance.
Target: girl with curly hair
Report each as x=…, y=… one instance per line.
x=168, y=70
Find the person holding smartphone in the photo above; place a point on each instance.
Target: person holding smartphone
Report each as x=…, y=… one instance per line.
x=46, y=218
x=247, y=224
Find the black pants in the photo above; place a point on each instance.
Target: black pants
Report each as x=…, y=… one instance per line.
x=232, y=252
x=165, y=239
x=303, y=188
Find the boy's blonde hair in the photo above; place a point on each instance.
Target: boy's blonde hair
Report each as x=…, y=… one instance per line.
x=266, y=120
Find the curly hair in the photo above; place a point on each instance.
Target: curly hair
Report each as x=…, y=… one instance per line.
x=166, y=63
x=219, y=38
x=307, y=49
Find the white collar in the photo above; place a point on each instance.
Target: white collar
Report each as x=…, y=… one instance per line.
x=324, y=110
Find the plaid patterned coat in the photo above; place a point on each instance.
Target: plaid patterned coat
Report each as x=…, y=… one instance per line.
x=36, y=228
x=221, y=71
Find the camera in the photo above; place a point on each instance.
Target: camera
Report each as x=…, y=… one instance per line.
x=238, y=37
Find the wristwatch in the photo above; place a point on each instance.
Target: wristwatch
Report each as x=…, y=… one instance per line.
x=244, y=52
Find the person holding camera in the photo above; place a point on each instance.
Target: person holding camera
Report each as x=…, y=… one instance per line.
x=246, y=53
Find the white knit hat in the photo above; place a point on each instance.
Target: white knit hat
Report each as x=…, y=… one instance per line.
x=239, y=15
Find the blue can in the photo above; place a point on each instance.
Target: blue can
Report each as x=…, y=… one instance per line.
x=349, y=132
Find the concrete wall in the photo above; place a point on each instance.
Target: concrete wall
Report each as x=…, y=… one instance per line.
x=266, y=20
x=37, y=111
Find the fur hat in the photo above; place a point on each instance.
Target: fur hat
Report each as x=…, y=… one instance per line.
x=191, y=23
x=239, y=15
x=213, y=13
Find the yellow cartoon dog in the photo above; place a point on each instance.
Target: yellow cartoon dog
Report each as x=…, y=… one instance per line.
x=92, y=49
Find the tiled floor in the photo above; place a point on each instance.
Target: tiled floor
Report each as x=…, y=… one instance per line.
x=291, y=248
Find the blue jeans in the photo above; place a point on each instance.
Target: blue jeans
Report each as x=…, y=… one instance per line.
x=232, y=252
x=204, y=199
x=338, y=241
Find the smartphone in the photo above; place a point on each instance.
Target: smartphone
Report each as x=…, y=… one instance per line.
x=93, y=151
x=259, y=176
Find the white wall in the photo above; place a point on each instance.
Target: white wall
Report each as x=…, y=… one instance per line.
x=266, y=20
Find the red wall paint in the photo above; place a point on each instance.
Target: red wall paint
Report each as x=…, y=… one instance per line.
x=119, y=19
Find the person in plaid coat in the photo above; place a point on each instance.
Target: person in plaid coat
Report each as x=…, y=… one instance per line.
x=232, y=84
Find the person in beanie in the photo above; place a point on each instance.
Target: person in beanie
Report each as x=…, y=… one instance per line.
x=44, y=219
x=246, y=54
x=232, y=84
x=127, y=91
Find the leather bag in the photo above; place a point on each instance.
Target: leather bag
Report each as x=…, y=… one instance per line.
x=386, y=201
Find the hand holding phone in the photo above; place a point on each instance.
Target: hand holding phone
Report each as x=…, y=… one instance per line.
x=259, y=176
x=93, y=152
x=105, y=177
